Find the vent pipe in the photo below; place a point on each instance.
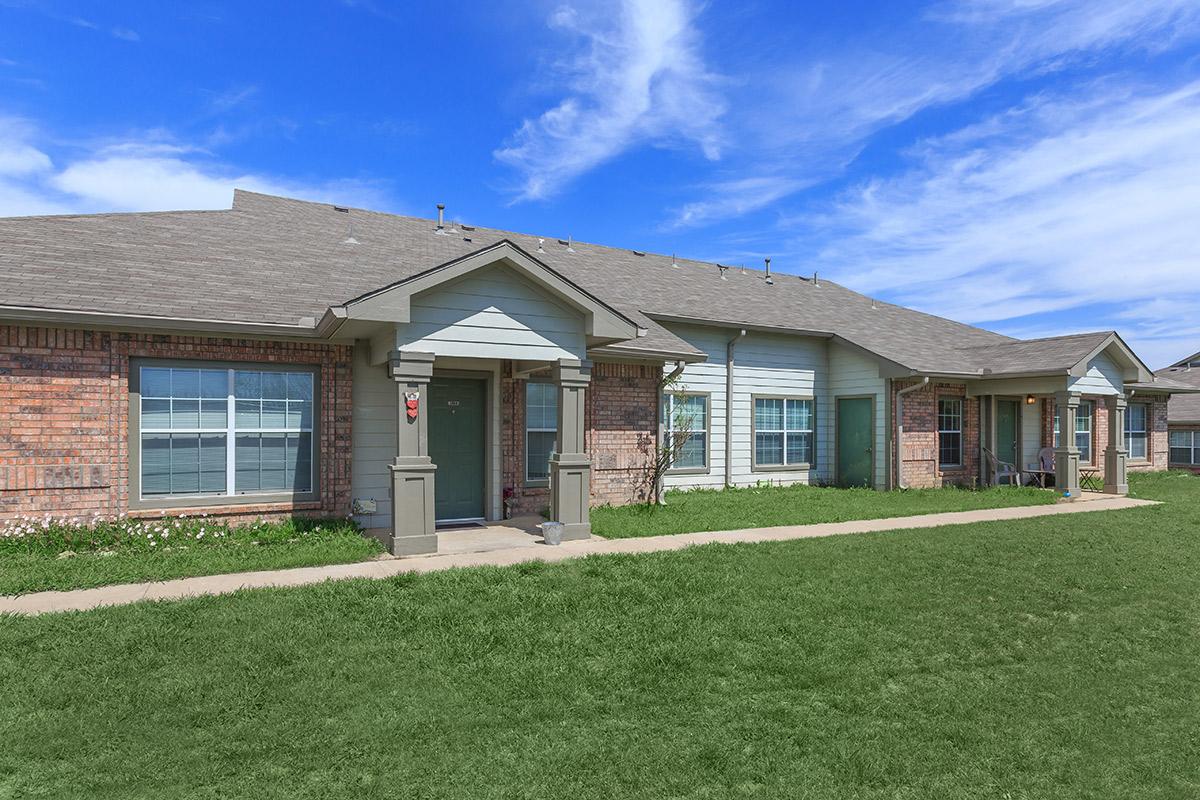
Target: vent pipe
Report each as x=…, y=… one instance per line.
x=441, y=223
x=816, y=279
x=770, y=280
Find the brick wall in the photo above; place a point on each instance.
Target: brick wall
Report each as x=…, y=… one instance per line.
x=1156, y=444
x=64, y=415
x=919, y=451
x=621, y=418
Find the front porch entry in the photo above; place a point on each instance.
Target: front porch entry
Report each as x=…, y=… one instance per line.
x=458, y=444
x=1012, y=439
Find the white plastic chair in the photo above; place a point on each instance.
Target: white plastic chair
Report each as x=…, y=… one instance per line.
x=1002, y=469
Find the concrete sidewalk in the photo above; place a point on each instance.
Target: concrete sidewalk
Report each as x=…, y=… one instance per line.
x=84, y=599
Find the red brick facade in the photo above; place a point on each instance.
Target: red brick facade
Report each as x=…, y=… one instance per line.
x=621, y=418
x=919, y=451
x=64, y=416
x=1156, y=442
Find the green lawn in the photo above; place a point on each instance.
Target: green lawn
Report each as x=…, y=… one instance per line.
x=1056, y=657
x=760, y=507
x=65, y=557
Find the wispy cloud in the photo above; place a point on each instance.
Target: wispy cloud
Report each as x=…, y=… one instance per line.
x=813, y=113
x=1052, y=215
x=148, y=173
x=641, y=78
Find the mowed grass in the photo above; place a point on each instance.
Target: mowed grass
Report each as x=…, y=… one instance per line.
x=765, y=506
x=65, y=559
x=1048, y=658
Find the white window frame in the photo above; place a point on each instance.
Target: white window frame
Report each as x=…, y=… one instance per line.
x=1091, y=417
x=538, y=481
x=785, y=431
x=668, y=429
x=1193, y=448
x=1144, y=432
x=962, y=410
x=230, y=496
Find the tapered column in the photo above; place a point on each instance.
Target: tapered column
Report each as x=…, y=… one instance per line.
x=1066, y=455
x=1115, y=454
x=570, y=467
x=412, y=470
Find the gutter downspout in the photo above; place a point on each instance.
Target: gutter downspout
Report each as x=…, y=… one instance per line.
x=899, y=463
x=730, y=349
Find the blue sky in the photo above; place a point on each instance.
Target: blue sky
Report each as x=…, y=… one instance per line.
x=1029, y=165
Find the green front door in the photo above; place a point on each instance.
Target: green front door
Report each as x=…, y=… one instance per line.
x=855, y=440
x=456, y=445
x=1007, y=418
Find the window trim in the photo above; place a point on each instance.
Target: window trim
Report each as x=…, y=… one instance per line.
x=1193, y=447
x=1056, y=433
x=534, y=483
x=663, y=430
x=133, y=440
x=1145, y=432
x=784, y=467
x=959, y=465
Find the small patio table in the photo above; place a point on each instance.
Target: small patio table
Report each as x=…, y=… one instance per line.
x=1039, y=475
x=1089, y=478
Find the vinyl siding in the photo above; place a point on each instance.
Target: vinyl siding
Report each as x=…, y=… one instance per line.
x=765, y=364
x=851, y=374
x=1031, y=433
x=492, y=313
x=376, y=411
x=1103, y=377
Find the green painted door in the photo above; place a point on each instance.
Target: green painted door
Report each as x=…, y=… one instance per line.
x=855, y=441
x=1007, y=418
x=456, y=445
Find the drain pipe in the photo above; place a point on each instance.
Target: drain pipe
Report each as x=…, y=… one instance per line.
x=899, y=462
x=730, y=348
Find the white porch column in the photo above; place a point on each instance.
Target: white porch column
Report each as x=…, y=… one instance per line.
x=1066, y=455
x=570, y=467
x=412, y=470
x=1115, y=454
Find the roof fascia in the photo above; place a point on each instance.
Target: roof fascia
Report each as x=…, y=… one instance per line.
x=1114, y=340
x=163, y=324
x=622, y=354
x=392, y=303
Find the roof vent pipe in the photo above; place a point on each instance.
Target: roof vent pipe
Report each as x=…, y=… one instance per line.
x=441, y=225
x=816, y=280
x=770, y=280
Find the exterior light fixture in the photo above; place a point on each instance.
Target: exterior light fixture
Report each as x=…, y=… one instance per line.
x=1030, y=400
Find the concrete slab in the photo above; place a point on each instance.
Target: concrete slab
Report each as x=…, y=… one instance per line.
x=520, y=545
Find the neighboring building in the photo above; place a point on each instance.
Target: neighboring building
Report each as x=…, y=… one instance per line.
x=1183, y=414
x=289, y=357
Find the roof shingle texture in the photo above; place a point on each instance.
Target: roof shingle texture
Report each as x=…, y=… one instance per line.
x=277, y=260
x=1182, y=407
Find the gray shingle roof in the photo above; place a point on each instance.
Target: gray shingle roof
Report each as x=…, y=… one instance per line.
x=1182, y=407
x=277, y=260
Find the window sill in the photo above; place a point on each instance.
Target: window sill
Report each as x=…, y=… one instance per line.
x=803, y=467
x=224, y=510
x=689, y=471
x=228, y=503
x=536, y=484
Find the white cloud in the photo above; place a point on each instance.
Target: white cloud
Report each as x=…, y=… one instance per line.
x=1062, y=215
x=813, y=112
x=640, y=79
x=150, y=174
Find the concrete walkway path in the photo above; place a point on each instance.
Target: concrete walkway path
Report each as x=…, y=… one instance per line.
x=84, y=599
